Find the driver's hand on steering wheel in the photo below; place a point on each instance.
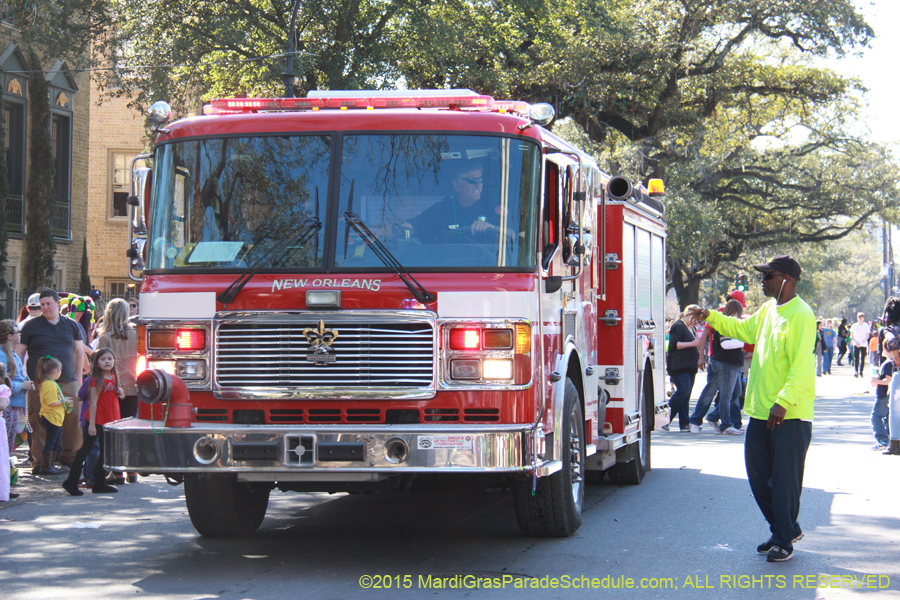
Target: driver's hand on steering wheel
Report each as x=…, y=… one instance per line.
x=481, y=225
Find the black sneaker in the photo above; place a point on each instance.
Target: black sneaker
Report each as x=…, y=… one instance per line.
x=769, y=544
x=779, y=554
x=666, y=428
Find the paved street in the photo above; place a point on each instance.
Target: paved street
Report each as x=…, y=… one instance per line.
x=692, y=520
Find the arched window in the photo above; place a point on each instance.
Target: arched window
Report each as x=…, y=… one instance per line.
x=62, y=103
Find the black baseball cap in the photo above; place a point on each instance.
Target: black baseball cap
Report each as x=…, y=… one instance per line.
x=781, y=264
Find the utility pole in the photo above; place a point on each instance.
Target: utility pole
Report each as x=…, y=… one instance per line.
x=887, y=260
x=891, y=276
x=288, y=75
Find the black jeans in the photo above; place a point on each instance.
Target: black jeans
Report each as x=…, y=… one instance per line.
x=128, y=406
x=86, y=445
x=859, y=354
x=775, y=461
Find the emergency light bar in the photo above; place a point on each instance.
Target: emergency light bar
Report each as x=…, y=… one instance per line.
x=318, y=100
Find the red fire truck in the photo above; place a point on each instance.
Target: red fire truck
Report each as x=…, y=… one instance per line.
x=356, y=291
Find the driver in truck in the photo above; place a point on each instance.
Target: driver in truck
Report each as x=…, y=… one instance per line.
x=461, y=217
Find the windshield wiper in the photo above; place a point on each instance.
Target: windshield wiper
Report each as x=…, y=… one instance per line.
x=385, y=256
x=308, y=229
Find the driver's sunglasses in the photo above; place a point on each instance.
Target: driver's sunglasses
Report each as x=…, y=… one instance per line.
x=472, y=180
x=770, y=275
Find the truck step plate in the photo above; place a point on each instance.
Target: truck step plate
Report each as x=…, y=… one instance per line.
x=341, y=451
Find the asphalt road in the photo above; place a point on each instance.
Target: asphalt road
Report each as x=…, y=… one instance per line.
x=692, y=525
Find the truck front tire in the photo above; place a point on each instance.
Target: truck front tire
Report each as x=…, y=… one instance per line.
x=219, y=506
x=555, y=508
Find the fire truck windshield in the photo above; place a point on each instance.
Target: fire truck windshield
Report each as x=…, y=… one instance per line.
x=434, y=200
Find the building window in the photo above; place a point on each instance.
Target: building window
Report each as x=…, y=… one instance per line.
x=14, y=115
x=120, y=182
x=62, y=156
x=120, y=288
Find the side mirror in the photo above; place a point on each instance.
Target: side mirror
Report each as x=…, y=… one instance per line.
x=137, y=225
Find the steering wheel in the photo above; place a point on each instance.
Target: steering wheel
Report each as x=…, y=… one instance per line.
x=480, y=245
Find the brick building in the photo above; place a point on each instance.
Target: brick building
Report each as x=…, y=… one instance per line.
x=117, y=135
x=92, y=147
x=70, y=117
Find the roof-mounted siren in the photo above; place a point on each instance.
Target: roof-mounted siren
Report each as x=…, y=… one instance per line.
x=619, y=188
x=158, y=115
x=656, y=188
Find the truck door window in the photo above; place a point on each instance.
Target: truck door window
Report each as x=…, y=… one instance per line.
x=569, y=216
x=550, y=216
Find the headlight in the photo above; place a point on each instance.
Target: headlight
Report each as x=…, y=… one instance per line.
x=190, y=368
x=465, y=369
x=163, y=365
x=497, y=368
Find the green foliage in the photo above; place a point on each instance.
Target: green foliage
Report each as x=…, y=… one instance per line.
x=840, y=277
x=223, y=48
x=37, y=262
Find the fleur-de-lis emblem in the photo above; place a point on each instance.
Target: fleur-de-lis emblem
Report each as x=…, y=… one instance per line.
x=322, y=337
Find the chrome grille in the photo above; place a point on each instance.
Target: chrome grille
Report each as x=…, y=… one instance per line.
x=272, y=352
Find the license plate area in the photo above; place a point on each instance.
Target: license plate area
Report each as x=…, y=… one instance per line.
x=299, y=450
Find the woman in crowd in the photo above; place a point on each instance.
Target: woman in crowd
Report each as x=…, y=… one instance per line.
x=681, y=364
x=843, y=332
x=819, y=349
x=723, y=377
x=19, y=383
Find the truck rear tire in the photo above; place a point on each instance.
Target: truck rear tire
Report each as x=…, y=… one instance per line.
x=633, y=471
x=555, y=508
x=219, y=506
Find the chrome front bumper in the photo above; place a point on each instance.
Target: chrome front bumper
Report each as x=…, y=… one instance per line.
x=269, y=451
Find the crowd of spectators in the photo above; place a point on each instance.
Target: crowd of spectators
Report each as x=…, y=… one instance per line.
x=865, y=344
x=45, y=357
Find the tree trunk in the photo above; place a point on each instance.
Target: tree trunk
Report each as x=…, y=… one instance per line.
x=687, y=290
x=84, y=287
x=37, y=263
x=4, y=193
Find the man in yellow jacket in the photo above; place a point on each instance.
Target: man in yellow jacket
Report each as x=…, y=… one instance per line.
x=780, y=396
